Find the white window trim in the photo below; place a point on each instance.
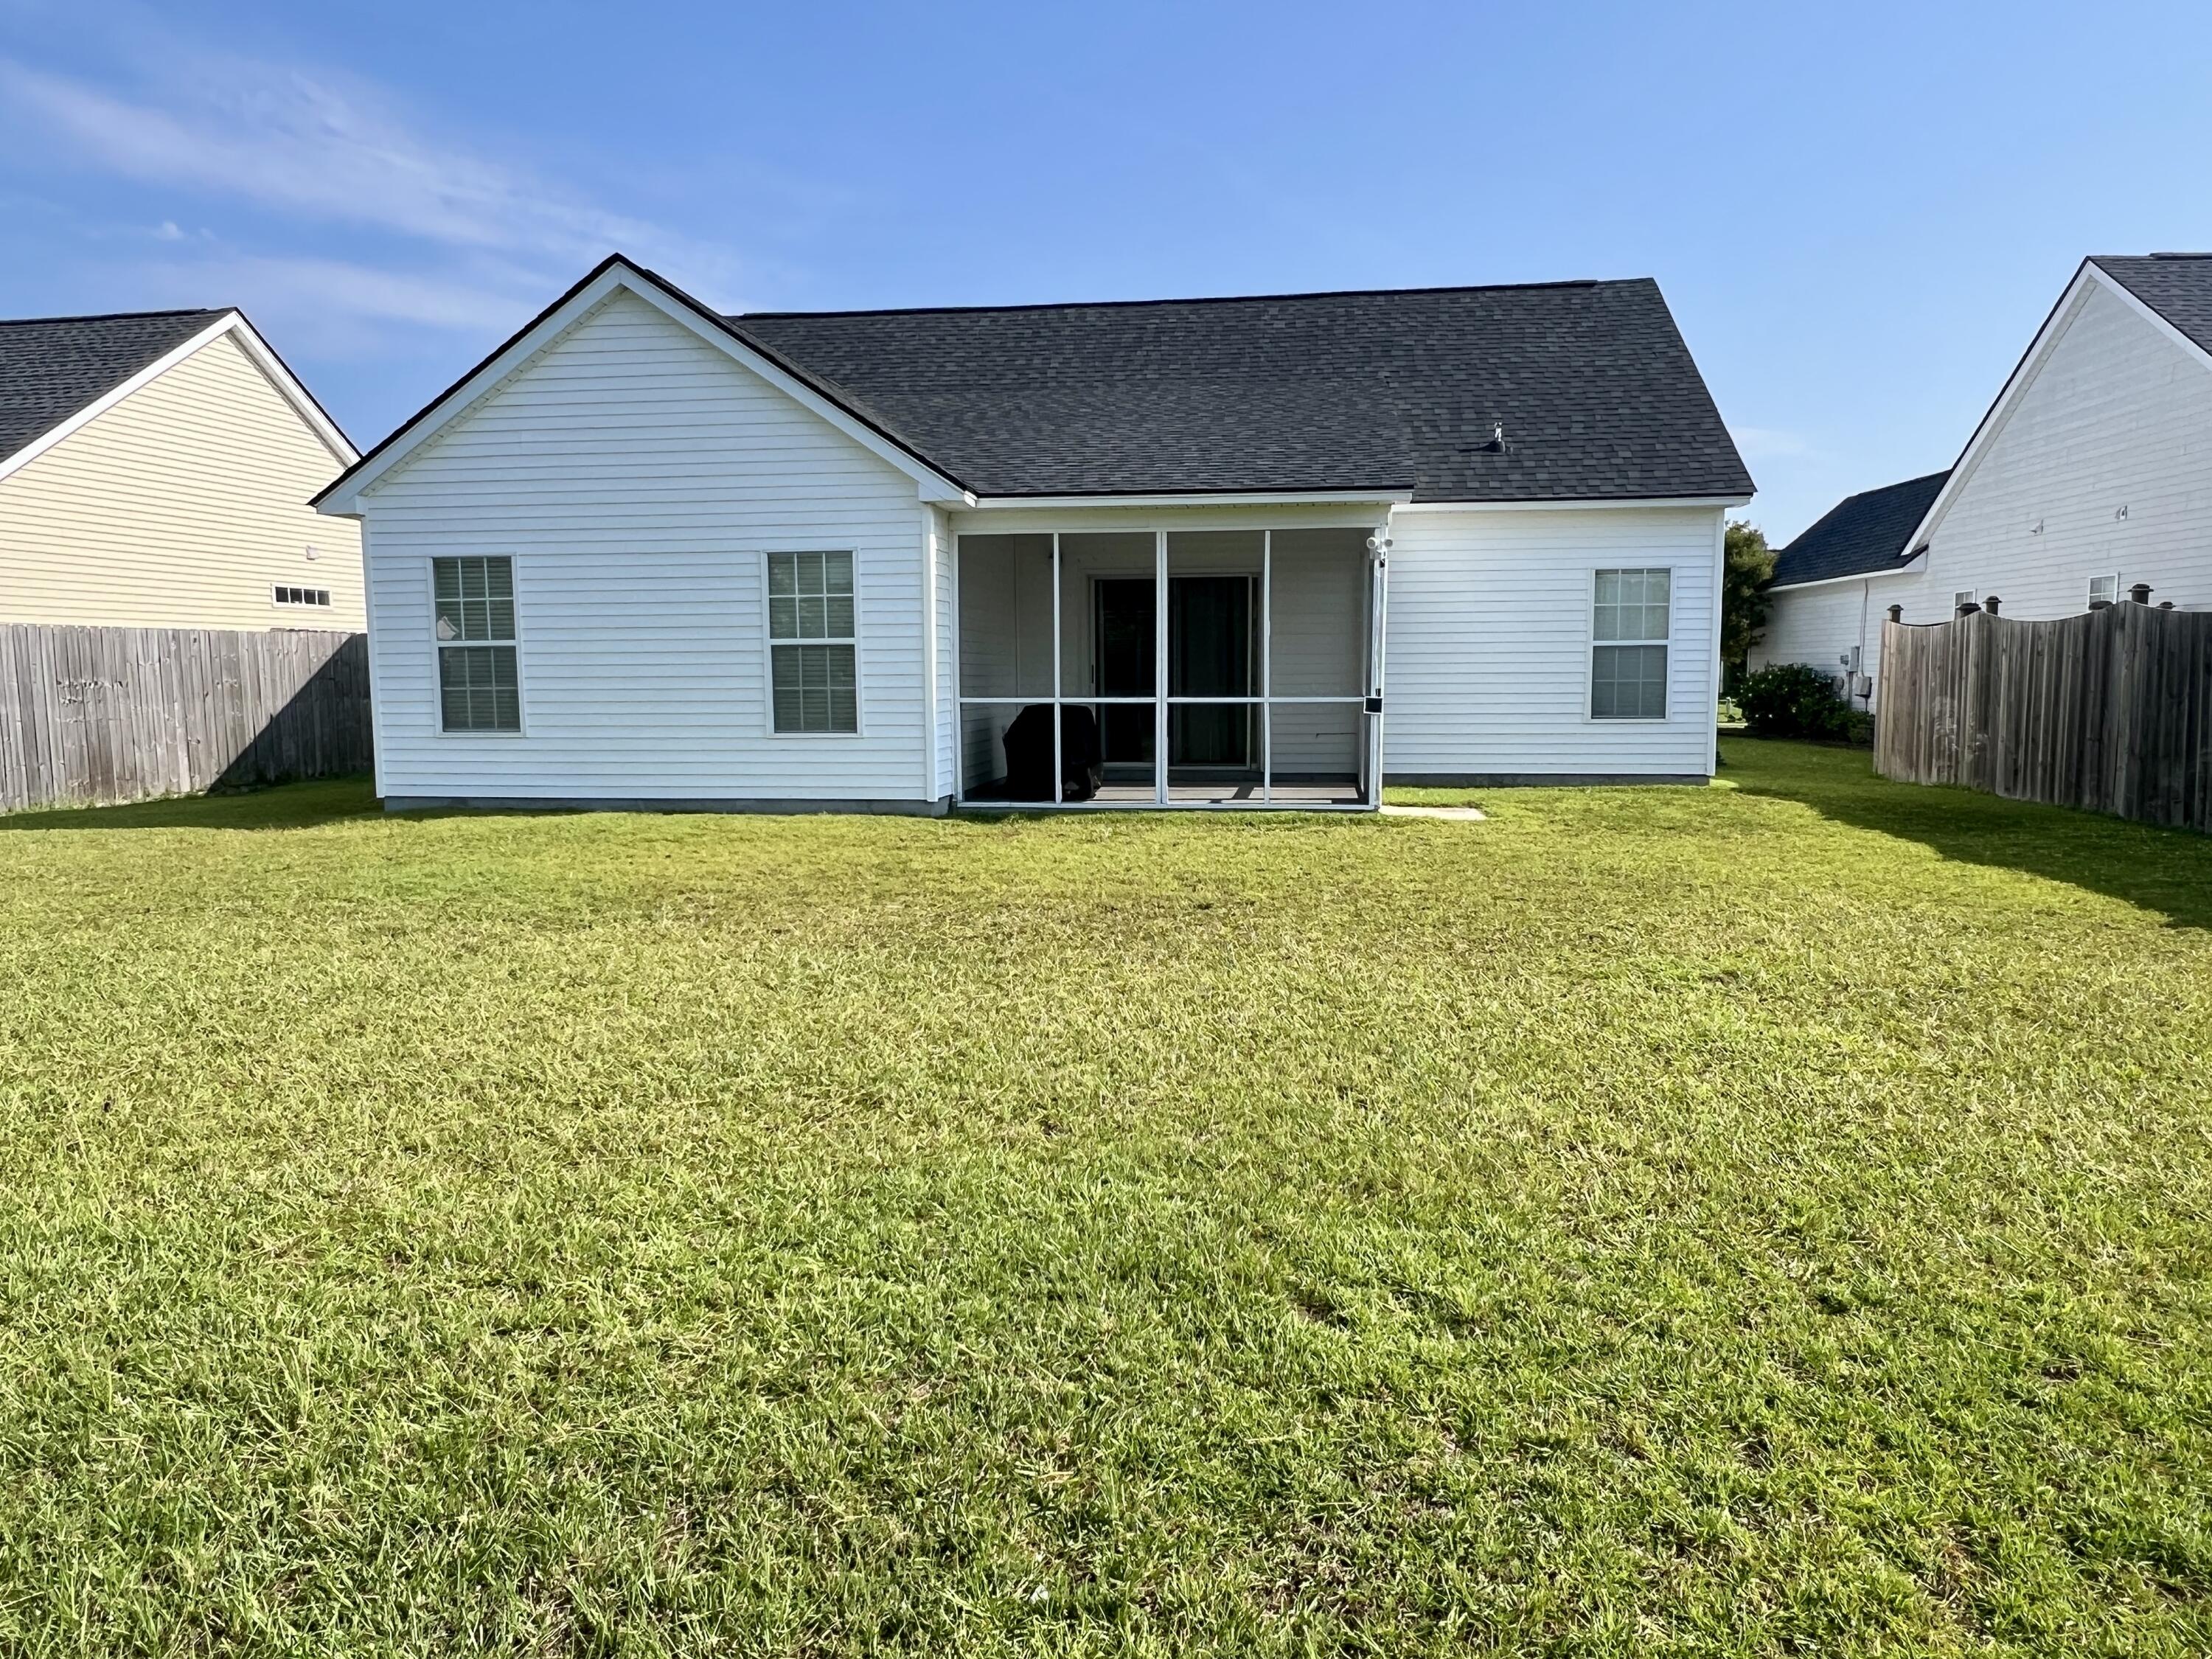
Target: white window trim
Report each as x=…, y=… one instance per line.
x=2090, y=586
x=768, y=643
x=438, y=646
x=329, y=602
x=1964, y=596
x=1590, y=643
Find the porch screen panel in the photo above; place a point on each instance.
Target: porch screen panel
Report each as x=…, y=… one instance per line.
x=1318, y=635
x=1213, y=653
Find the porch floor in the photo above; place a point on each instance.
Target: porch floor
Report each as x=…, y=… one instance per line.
x=1222, y=793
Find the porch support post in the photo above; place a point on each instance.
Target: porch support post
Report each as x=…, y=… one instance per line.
x=1159, y=668
x=1379, y=605
x=959, y=690
x=1057, y=771
x=1267, y=665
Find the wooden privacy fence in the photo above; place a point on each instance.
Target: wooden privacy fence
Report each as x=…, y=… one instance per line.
x=2110, y=710
x=105, y=715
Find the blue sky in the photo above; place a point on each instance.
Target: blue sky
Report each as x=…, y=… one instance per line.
x=1859, y=214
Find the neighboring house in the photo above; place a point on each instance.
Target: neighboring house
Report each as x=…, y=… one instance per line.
x=156, y=471
x=2092, y=472
x=645, y=552
x=1822, y=605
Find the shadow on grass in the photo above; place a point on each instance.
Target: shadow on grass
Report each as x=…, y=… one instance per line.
x=2168, y=870
x=280, y=806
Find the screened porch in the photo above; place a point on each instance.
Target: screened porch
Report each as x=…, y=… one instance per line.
x=1170, y=668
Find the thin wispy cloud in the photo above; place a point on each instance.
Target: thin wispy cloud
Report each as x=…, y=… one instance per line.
x=365, y=291
x=286, y=138
x=412, y=225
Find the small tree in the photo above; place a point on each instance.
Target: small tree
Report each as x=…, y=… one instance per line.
x=1747, y=565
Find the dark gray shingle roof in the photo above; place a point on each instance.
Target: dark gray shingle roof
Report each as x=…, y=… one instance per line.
x=1862, y=535
x=53, y=367
x=1390, y=390
x=2176, y=286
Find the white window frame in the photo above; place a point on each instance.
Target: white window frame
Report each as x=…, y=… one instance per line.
x=438, y=646
x=1591, y=644
x=277, y=590
x=770, y=642
x=2112, y=598
x=1964, y=596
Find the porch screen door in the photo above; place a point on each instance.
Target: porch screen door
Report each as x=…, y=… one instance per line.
x=1123, y=654
x=1210, y=651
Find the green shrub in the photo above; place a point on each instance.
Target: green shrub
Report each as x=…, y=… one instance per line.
x=1791, y=700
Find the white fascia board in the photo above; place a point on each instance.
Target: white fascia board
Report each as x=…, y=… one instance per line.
x=346, y=503
x=1912, y=566
x=1379, y=499
x=1569, y=505
x=256, y=349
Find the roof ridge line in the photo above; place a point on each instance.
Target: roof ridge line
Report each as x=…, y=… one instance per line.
x=1197, y=299
x=116, y=316
x=1876, y=490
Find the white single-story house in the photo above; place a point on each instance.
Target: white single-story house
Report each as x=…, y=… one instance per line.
x=1251, y=551
x=2089, y=478
x=154, y=472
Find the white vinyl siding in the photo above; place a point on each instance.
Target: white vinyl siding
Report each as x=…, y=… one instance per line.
x=184, y=506
x=1488, y=664
x=640, y=477
x=1823, y=627
x=2115, y=419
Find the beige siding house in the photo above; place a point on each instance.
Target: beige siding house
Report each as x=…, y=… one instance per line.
x=156, y=471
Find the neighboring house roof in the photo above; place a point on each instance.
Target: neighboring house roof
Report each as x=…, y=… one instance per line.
x=58, y=372
x=1868, y=534
x=2176, y=286
x=1400, y=389
x=1393, y=390
x=52, y=367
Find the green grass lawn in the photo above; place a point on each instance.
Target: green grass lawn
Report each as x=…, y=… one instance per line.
x=1770, y=1217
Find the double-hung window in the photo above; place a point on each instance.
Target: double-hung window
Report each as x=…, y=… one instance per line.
x=812, y=643
x=1628, y=645
x=478, y=689
x=2105, y=589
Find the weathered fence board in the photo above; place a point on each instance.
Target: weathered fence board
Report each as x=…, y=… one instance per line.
x=105, y=715
x=2110, y=710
